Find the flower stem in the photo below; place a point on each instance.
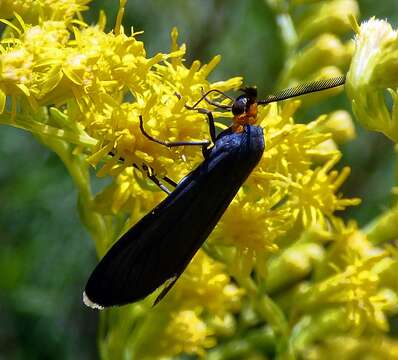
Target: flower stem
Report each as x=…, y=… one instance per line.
x=384, y=228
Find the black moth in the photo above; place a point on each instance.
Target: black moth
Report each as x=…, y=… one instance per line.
x=160, y=246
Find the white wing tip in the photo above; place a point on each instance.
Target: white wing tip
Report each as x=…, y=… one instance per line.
x=90, y=303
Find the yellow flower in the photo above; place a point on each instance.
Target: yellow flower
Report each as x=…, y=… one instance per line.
x=357, y=287
x=164, y=334
x=186, y=333
x=199, y=305
x=153, y=86
x=32, y=10
x=313, y=195
x=206, y=282
x=350, y=347
x=31, y=64
x=74, y=82
x=129, y=193
x=284, y=193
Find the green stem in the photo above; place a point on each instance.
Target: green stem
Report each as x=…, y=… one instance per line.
x=258, y=340
x=288, y=35
x=43, y=129
x=272, y=314
x=384, y=228
x=275, y=317
x=265, y=306
x=98, y=226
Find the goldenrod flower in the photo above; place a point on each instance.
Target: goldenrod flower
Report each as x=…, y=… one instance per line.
x=32, y=10
x=191, y=332
x=206, y=283
x=350, y=278
x=129, y=193
x=351, y=347
x=284, y=192
x=81, y=91
x=185, y=333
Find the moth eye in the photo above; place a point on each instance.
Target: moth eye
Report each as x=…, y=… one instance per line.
x=239, y=106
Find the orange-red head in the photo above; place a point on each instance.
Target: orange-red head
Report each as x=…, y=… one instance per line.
x=244, y=109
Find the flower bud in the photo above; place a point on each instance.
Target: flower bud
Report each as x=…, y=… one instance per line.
x=328, y=16
x=373, y=70
x=341, y=125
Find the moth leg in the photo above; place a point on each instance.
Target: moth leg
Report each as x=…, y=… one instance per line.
x=211, y=102
x=156, y=181
x=167, y=286
x=212, y=128
x=214, y=103
x=151, y=176
x=169, y=181
x=169, y=144
x=210, y=121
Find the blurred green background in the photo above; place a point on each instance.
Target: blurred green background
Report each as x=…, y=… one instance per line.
x=46, y=255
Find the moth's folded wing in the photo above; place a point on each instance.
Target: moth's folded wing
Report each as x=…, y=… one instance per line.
x=160, y=245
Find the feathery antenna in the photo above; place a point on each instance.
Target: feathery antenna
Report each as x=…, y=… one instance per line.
x=303, y=89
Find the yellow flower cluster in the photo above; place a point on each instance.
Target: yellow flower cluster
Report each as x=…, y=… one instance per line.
x=199, y=308
x=352, y=291
x=34, y=10
x=351, y=347
x=287, y=192
x=81, y=91
x=100, y=83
